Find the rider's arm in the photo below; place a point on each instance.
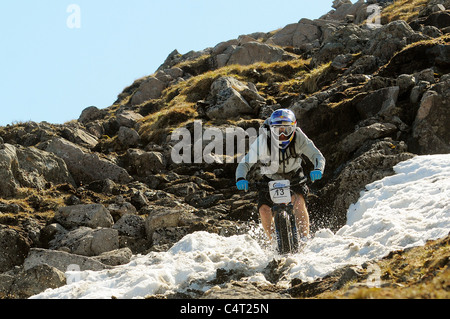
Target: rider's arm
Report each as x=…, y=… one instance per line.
x=249, y=159
x=307, y=147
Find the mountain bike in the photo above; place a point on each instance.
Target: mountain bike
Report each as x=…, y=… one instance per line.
x=283, y=215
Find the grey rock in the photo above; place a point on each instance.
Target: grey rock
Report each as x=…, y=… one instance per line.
x=115, y=257
x=6, y=282
x=391, y=38
x=380, y=101
x=79, y=136
x=37, y=279
x=130, y=225
x=183, y=189
x=90, y=114
x=128, y=136
x=252, y=52
x=86, y=241
x=361, y=135
x=61, y=260
x=242, y=290
x=228, y=98
x=30, y=167
x=128, y=118
x=84, y=166
x=305, y=35
x=430, y=127
x=13, y=248
x=163, y=217
x=149, y=89
x=146, y=163
x=49, y=232
x=90, y=215
x=120, y=208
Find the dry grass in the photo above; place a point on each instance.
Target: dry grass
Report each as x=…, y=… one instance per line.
x=406, y=10
x=178, y=102
x=312, y=80
x=444, y=40
x=416, y=273
x=157, y=125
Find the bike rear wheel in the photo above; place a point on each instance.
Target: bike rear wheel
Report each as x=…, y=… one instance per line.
x=286, y=232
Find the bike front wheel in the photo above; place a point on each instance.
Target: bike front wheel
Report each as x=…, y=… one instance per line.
x=286, y=232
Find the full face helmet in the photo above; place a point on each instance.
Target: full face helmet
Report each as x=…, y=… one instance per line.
x=282, y=125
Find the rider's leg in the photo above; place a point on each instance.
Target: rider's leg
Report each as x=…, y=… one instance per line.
x=265, y=213
x=301, y=214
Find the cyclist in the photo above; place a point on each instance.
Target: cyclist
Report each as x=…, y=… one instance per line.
x=281, y=133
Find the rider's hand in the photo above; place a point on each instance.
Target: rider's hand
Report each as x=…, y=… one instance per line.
x=315, y=175
x=242, y=185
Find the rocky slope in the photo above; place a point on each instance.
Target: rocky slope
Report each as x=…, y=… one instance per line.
x=98, y=189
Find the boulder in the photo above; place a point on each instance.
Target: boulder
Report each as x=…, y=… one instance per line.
x=345, y=8
x=37, y=279
x=61, y=260
x=183, y=189
x=427, y=55
x=86, y=241
x=128, y=137
x=341, y=39
x=145, y=163
x=252, y=52
x=163, y=217
x=230, y=97
x=91, y=114
x=149, y=89
x=85, y=167
x=239, y=290
x=6, y=282
x=430, y=127
x=305, y=35
x=115, y=257
x=439, y=19
x=120, y=208
x=362, y=134
x=130, y=225
x=222, y=46
x=379, y=101
x=13, y=248
x=30, y=167
x=79, y=136
x=128, y=118
x=391, y=38
x=49, y=232
x=90, y=215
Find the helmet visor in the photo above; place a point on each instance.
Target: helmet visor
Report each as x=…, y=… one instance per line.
x=285, y=130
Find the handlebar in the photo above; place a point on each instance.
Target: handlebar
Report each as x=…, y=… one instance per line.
x=258, y=184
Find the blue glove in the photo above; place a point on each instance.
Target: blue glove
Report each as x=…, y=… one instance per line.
x=315, y=175
x=242, y=185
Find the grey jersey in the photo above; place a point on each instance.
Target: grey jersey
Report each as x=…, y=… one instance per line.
x=279, y=167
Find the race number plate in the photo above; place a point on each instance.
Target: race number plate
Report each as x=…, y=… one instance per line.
x=280, y=191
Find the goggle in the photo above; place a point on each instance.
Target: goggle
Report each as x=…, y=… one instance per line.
x=285, y=130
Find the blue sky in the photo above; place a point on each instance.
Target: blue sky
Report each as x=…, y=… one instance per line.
x=51, y=72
